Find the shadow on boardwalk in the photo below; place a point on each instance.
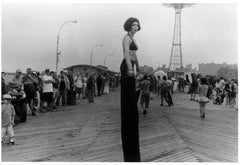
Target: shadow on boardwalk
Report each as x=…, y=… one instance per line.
x=91, y=132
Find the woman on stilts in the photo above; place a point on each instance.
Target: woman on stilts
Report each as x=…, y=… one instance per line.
x=129, y=110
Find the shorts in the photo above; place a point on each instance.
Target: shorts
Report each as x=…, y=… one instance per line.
x=30, y=95
x=48, y=97
x=78, y=90
x=7, y=130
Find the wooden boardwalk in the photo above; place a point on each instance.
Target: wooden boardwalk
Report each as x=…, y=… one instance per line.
x=91, y=133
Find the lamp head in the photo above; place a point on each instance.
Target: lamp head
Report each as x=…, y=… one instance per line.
x=75, y=21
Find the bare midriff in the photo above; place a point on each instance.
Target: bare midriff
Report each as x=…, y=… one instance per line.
x=132, y=55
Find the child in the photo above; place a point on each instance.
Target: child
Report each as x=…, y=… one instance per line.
x=202, y=99
x=8, y=113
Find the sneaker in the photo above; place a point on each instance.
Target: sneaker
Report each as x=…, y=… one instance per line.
x=12, y=141
x=161, y=104
x=203, y=116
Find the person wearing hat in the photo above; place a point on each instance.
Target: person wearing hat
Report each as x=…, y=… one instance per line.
x=29, y=81
x=8, y=113
x=17, y=77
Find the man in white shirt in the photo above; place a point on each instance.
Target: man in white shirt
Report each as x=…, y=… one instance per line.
x=47, y=81
x=84, y=83
x=221, y=84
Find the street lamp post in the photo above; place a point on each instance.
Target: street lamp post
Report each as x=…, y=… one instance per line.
x=58, y=53
x=92, y=55
x=105, y=59
x=118, y=63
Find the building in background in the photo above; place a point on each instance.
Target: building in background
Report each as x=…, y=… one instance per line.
x=187, y=69
x=212, y=68
x=146, y=70
x=85, y=69
x=163, y=68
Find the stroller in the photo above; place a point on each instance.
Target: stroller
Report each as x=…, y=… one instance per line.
x=18, y=101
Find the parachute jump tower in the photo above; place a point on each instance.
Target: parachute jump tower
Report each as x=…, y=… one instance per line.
x=176, y=63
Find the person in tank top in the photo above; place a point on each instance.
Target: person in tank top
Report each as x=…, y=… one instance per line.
x=129, y=110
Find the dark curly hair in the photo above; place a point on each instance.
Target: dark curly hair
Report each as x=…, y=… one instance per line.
x=129, y=22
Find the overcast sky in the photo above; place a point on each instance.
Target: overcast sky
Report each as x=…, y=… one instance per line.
x=29, y=34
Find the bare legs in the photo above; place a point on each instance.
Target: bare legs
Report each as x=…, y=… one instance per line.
x=202, y=109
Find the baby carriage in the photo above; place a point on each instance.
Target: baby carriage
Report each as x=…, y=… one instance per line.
x=18, y=101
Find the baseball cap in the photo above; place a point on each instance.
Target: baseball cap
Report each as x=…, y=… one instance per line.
x=7, y=96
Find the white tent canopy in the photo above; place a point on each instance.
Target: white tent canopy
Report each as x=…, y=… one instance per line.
x=160, y=73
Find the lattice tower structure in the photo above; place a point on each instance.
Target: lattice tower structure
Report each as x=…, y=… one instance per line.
x=176, y=61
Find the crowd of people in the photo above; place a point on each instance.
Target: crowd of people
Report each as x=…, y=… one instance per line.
x=220, y=90
x=148, y=85
x=208, y=88
x=46, y=91
x=49, y=89
x=43, y=92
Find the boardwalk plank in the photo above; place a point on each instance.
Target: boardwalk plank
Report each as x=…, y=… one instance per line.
x=92, y=132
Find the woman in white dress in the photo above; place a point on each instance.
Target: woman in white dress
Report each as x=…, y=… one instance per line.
x=106, y=87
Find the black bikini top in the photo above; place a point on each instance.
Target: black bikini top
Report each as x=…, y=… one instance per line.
x=133, y=46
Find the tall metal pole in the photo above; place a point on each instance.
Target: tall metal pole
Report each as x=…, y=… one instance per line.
x=105, y=59
x=92, y=55
x=104, y=63
x=57, y=58
x=58, y=38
